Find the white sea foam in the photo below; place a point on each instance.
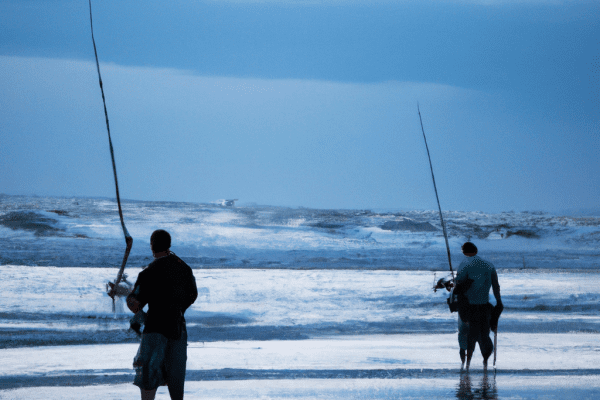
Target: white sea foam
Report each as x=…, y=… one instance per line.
x=311, y=300
x=210, y=229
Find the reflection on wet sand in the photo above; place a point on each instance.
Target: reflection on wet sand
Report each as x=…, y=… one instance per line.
x=486, y=390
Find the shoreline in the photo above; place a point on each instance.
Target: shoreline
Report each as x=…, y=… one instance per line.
x=530, y=366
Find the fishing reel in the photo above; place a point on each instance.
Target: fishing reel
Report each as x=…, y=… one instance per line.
x=121, y=289
x=118, y=290
x=443, y=283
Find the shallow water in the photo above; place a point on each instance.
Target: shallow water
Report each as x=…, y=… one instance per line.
x=69, y=305
x=415, y=366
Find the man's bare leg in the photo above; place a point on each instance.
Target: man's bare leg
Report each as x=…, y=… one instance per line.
x=148, y=394
x=485, y=362
x=469, y=356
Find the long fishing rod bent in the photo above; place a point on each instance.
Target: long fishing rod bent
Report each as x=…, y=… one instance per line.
x=436, y=195
x=128, y=238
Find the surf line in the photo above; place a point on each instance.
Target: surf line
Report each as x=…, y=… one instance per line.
x=436, y=196
x=113, y=287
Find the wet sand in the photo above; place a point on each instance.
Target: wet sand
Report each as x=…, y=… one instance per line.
x=474, y=385
x=530, y=366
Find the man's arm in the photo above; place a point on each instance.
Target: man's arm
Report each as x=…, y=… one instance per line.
x=499, y=307
x=133, y=304
x=496, y=286
x=135, y=299
x=191, y=293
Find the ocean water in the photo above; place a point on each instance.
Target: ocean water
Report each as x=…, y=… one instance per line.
x=52, y=306
x=85, y=232
x=286, y=273
x=294, y=293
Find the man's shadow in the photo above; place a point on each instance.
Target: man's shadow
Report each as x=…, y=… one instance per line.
x=485, y=391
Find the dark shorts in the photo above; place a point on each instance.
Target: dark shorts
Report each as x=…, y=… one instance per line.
x=478, y=316
x=161, y=361
x=463, y=331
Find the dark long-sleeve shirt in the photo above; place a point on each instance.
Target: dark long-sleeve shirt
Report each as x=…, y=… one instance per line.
x=168, y=286
x=484, y=276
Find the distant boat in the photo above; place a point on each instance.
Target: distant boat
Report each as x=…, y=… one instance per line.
x=226, y=203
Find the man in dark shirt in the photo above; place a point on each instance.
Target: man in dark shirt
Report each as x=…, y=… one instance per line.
x=168, y=287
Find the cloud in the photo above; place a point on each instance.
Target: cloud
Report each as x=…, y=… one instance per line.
x=136, y=87
x=252, y=134
x=182, y=136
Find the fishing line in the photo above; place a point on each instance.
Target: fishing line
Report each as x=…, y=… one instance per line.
x=436, y=195
x=128, y=238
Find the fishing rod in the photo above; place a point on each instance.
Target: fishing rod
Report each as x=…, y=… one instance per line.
x=113, y=288
x=436, y=195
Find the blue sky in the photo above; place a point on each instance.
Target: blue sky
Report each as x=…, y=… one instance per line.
x=305, y=103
